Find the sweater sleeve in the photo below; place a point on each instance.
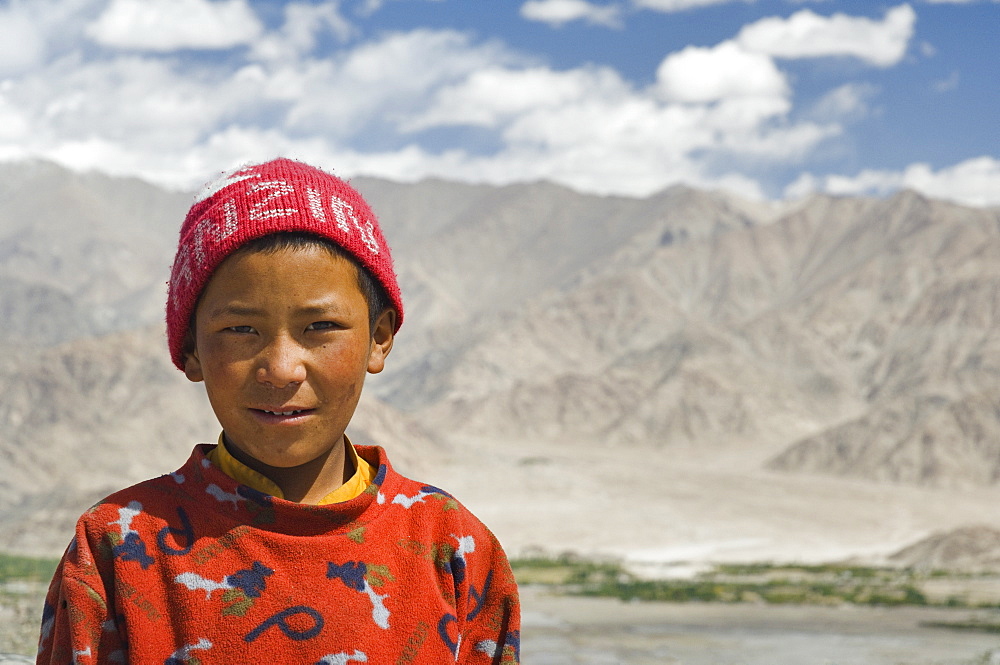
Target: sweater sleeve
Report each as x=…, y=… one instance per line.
x=492, y=631
x=78, y=624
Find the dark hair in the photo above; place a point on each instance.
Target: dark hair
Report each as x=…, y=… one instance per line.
x=374, y=293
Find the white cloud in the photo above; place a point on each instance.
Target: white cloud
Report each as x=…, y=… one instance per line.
x=169, y=25
x=715, y=116
x=32, y=32
x=591, y=129
x=490, y=96
x=848, y=101
x=804, y=185
x=140, y=114
x=558, y=12
x=974, y=182
x=177, y=118
x=13, y=124
x=22, y=45
x=807, y=35
x=697, y=74
x=297, y=37
x=389, y=81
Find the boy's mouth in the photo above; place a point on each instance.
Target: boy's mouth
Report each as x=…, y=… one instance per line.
x=283, y=413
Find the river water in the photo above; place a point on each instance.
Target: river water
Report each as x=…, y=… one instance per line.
x=600, y=631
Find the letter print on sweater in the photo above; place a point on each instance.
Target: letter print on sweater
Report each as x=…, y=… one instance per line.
x=205, y=571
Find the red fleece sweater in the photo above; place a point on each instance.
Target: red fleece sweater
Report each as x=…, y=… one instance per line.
x=193, y=568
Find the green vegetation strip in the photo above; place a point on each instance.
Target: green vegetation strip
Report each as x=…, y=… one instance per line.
x=773, y=584
x=14, y=567
x=973, y=625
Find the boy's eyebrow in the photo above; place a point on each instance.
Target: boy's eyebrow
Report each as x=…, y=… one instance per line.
x=320, y=308
x=235, y=309
x=232, y=309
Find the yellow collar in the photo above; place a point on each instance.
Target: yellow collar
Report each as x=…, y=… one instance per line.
x=364, y=473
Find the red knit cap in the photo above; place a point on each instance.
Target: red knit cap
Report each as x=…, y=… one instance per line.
x=257, y=200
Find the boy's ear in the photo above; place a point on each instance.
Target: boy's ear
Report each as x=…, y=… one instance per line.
x=382, y=335
x=192, y=364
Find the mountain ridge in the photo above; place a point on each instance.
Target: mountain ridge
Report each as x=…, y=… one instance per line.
x=853, y=339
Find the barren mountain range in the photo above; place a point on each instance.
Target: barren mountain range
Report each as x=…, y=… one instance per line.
x=831, y=342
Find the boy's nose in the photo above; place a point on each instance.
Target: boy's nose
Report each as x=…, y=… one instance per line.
x=281, y=364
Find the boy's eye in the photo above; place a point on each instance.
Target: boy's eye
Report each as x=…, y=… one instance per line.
x=321, y=325
x=241, y=329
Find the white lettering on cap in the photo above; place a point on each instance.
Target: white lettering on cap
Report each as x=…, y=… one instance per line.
x=344, y=216
x=343, y=211
x=279, y=188
x=208, y=230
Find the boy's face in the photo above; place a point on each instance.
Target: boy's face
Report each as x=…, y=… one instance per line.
x=282, y=342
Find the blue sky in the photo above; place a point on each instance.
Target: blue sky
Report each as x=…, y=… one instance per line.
x=768, y=98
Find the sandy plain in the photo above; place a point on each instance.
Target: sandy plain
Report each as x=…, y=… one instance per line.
x=671, y=512
x=663, y=509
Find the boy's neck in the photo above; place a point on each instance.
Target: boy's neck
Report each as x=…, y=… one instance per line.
x=307, y=483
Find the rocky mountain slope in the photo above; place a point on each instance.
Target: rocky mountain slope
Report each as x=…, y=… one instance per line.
x=972, y=548
x=853, y=338
x=802, y=331
x=81, y=254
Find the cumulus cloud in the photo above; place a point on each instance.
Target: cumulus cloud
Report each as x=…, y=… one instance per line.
x=490, y=96
x=974, y=182
x=808, y=35
x=13, y=123
x=21, y=44
x=591, y=129
x=140, y=113
x=389, y=105
x=303, y=24
x=32, y=32
x=697, y=74
x=558, y=12
x=848, y=101
x=169, y=25
x=362, y=112
x=388, y=81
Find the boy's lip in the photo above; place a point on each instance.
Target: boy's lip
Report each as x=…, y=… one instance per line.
x=284, y=410
x=280, y=413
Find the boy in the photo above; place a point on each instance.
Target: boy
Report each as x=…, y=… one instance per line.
x=284, y=543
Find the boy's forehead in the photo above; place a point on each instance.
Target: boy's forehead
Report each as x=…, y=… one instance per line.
x=313, y=274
